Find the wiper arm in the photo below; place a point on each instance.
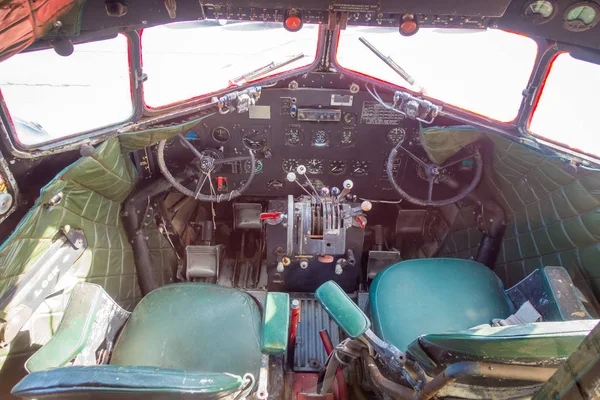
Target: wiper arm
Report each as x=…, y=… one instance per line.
x=392, y=64
x=272, y=66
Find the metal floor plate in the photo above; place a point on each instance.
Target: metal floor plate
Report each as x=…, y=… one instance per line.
x=310, y=354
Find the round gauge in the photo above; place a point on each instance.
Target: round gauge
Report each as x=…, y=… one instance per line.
x=395, y=135
x=292, y=136
x=347, y=137
x=314, y=166
x=360, y=168
x=257, y=168
x=254, y=139
x=320, y=139
x=581, y=16
x=349, y=118
x=290, y=165
x=220, y=134
x=540, y=11
x=337, y=167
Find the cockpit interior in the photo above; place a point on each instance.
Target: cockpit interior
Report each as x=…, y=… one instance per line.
x=321, y=200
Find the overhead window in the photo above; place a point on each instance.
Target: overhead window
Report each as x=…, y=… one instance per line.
x=189, y=59
x=51, y=97
x=567, y=111
x=483, y=71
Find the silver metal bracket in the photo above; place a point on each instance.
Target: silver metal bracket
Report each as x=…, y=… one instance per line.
x=415, y=108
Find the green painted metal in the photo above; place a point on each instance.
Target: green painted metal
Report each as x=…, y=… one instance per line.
x=342, y=309
x=276, y=323
x=540, y=340
x=423, y=296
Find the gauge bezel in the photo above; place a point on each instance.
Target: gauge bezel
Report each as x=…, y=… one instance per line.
x=327, y=137
x=344, y=169
x=212, y=134
x=540, y=19
x=263, y=134
x=298, y=162
x=364, y=163
x=321, y=168
x=387, y=135
x=286, y=133
x=577, y=25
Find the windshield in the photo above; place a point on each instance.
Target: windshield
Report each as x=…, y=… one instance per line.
x=483, y=71
x=186, y=60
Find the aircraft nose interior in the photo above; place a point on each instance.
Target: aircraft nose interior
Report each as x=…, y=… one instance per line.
x=328, y=201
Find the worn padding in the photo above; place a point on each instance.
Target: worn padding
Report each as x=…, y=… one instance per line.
x=92, y=189
x=553, y=214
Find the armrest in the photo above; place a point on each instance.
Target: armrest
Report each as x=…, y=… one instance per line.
x=91, y=317
x=342, y=309
x=276, y=323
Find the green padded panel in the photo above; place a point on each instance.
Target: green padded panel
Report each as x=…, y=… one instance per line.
x=529, y=341
x=342, y=309
x=194, y=327
x=553, y=214
x=92, y=188
x=276, y=323
x=423, y=296
x=113, y=382
x=88, y=318
x=131, y=141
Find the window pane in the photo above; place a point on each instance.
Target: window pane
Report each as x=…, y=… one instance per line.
x=186, y=60
x=484, y=71
x=568, y=107
x=50, y=96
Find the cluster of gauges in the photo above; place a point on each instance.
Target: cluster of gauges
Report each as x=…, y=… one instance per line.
x=318, y=138
x=253, y=139
x=316, y=166
x=578, y=17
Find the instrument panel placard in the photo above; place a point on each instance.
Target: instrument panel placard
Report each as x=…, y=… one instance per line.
x=374, y=113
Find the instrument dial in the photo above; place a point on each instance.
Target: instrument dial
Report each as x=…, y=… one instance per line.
x=350, y=118
x=292, y=136
x=360, y=168
x=220, y=134
x=314, y=166
x=337, y=167
x=255, y=139
x=290, y=165
x=395, y=135
x=347, y=137
x=320, y=139
x=257, y=168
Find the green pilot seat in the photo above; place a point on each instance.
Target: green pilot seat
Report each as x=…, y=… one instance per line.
x=185, y=340
x=440, y=310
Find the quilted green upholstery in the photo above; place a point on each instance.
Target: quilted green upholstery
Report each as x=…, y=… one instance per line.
x=422, y=296
x=276, y=323
x=194, y=327
x=554, y=218
x=93, y=189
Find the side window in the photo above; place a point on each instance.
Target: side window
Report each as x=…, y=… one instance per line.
x=50, y=97
x=567, y=111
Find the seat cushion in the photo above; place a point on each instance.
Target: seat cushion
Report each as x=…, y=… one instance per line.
x=435, y=295
x=196, y=327
x=110, y=382
x=542, y=340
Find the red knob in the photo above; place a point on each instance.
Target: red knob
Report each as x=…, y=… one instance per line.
x=270, y=215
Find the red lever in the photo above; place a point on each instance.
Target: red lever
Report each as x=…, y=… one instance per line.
x=270, y=215
x=221, y=183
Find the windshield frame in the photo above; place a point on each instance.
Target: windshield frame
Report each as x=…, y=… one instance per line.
x=91, y=136
x=261, y=81
x=460, y=114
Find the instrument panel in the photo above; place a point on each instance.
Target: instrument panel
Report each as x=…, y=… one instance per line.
x=335, y=134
